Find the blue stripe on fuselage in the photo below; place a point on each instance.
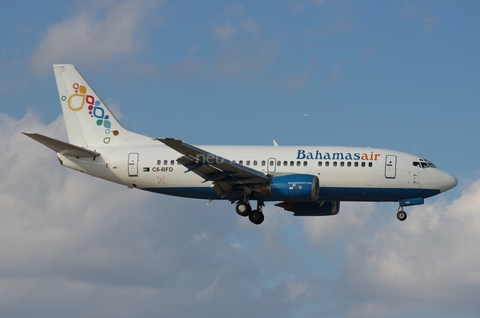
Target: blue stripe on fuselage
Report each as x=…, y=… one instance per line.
x=326, y=194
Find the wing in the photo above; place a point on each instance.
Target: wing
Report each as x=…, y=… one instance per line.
x=225, y=174
x=62, y=147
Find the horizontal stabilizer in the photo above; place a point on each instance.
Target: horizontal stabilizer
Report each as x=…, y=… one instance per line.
x=62, y=147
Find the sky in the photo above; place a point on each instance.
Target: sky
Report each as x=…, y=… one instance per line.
x=400, y=75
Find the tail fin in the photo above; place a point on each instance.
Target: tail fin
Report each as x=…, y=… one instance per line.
x=89, y=122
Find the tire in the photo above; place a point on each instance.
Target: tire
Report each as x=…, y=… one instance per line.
x=243, y=209
x=401, y=215
x=256, y=217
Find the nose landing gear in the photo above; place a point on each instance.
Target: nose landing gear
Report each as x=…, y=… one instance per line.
x=401, y=215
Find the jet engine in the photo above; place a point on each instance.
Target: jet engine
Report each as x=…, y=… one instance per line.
x=293, y=187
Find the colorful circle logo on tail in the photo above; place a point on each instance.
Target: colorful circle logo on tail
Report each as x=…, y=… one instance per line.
x=78, y=100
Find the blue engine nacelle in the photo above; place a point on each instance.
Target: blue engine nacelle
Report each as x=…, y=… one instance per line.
x=292, y=187
x=316, y=208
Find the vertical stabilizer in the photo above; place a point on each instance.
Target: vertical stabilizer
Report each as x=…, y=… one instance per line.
x=89, y=122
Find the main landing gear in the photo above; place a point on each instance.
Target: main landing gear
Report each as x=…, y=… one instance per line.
x=401, y=215
x=244, y=209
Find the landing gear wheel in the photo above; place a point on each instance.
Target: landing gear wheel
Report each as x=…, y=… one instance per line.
x=256, y=217
x=401, y=215
x=243, y=209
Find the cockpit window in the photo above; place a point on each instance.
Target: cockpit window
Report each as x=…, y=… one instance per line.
x=423, y=164
x=430, y=164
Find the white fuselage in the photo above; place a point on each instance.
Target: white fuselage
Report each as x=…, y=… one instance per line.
x=345, y=173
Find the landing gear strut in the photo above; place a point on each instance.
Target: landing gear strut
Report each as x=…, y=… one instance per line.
x=244, y=208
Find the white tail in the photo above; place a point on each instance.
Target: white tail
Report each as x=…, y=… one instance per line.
x=89, y=122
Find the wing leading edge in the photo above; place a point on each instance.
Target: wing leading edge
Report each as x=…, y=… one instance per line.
x=225, y=174
x=62, y=147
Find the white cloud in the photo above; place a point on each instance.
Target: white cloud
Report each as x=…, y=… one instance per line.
x=411, y=11
x=251, y=26
x=223, y=32
x=431, y=261
x=77, y=246
x=350, y=223
x=227, y=31
x=99, y=32
x=72, y=243
x=292, y=82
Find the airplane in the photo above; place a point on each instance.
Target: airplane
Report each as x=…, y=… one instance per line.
x=305, y=180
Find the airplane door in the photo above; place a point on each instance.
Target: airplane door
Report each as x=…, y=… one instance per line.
x=271, y=165
x=133, y=165
x=390, y=166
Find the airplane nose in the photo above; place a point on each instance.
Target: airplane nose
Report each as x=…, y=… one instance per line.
x=447, y=181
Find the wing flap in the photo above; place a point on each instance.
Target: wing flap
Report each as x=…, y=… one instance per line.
x=62, y=147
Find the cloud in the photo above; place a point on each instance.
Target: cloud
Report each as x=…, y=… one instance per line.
x=292, y=82
x=241, y=49
x=251, y=26
x=334, y=77
x=429, y=262
x=226, y=32
x=99, y=32
x=77, y=246
x=411, y=11
x=189, y=66
x=223, y=32
x=300, y=5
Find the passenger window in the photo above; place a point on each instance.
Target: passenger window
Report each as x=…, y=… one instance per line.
x=240, y=162
x=285, y=163
x=248, y=162
x=327, y=163
x=298, y=163
x=254, y=162
x=292, y=163
x=342, y=164
x=356, y=164
x=172, y=162
x=319, y=163
x=165, y=162
x=363, y=164
x=305, y=163
x=159, y=162
x=263, y=162
x=349, y=164
x=272, y=163
x=279, y=163
x=334, y=163
x=370, y=164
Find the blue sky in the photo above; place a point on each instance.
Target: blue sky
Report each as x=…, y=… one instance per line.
x=400, y=74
